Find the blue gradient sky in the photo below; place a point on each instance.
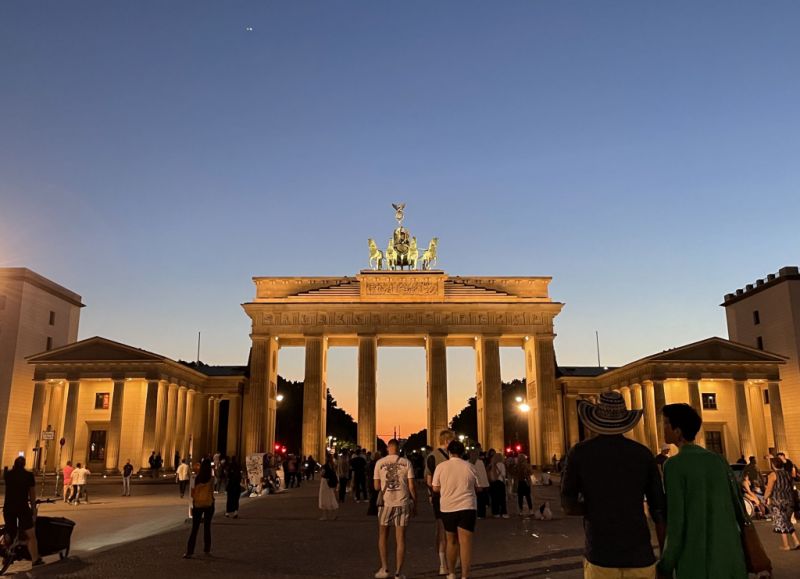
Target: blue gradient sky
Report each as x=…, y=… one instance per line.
x=154, y=156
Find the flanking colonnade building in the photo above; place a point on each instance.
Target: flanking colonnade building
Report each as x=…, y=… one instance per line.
x=111, y=402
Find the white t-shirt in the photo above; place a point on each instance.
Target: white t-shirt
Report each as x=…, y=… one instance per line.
x=79, y=476
x=457, y=479
x=394, y=473
x=480, y=470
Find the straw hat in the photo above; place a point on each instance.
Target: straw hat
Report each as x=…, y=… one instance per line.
x=609, y=416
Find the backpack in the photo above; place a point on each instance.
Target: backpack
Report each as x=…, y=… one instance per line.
x=203, y=495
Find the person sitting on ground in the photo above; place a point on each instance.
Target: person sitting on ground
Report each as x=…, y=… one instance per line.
x=20, y=505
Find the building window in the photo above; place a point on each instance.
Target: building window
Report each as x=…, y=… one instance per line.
x=52, y=318
x=101, y=400
x=49, y=343
x=714, y=442
x=709, y=401
x=766, y=396
x=756, y=317
x=760, y=343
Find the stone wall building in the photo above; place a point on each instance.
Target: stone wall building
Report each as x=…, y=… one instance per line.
x=766, y=315
x=36, y=315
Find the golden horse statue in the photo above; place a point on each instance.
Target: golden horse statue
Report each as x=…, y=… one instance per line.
x=429, y=255
x=375, y=255
x=391, y=255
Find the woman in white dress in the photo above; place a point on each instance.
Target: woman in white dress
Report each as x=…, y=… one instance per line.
x=327, y=490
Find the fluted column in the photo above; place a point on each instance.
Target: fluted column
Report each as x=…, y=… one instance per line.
x=161, y=418
x=571, y=414
x=652, y=417
x=189, y=432
x=37, y=413
x=149, y=431
x=168, y=448
x=367, y=391
x=54, y=418
x=211, y=425
x=180, y=422
x=626, y=395
x=489, y=393
x=743, y=418
x=636, y=404
x=436, y=379
x=696, y=402
x=776, y=414
x=550, y=428
x=315, y=397
x=234, y=404
x=70, y=420
x=115, y=427
x=532, y=399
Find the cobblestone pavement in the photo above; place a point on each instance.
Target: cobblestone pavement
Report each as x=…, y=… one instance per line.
x=281, y=537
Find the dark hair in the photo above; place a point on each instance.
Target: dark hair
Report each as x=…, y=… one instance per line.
x=456, y=447
x=684, y=417
x=204, y=475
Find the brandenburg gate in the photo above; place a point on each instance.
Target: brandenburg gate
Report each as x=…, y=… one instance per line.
x=404, y=307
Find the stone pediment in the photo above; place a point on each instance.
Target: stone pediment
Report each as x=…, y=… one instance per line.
x=96, y=349
x=716, y=349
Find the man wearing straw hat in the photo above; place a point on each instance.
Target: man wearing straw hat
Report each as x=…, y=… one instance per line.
x=606, y=479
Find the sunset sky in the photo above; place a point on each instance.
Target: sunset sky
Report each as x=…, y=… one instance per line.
x=157, y=155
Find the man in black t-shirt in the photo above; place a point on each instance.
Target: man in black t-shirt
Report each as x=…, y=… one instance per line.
x=18, y=506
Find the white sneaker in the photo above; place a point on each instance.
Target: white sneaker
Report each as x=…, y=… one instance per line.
x=382, y=574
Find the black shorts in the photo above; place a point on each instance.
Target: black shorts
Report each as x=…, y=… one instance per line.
x=460, y=520
x=436, y=500
x=17, y=518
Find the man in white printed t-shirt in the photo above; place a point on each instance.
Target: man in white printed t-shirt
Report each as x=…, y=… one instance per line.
x=457, y=482
x=394, y=480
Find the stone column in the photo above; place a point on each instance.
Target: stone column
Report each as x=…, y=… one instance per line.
x=161, y=418
x=201, y=427
x=259, y=398
x=115, y=427
x=532, y=399
x=743, y=419
x=550, y=428
x=436, y=370
x=35, y=426
x=636, y=404
x=190, y=434
x=315, y=398
x=168, y=448
x=490, y=396
x=776, y=414
x=212, y=420
x=149, y=431
x=55, y=417
x=367, y=392
x=696, y=402
x=234, y=404
x=70, y=420
x=652, y=420
x=180, y=423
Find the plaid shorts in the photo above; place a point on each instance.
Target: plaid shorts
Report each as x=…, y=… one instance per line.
x=394, y=516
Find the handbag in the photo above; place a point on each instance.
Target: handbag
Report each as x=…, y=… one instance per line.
x=755, y=557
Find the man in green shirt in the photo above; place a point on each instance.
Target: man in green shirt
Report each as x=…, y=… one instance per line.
x=703, y=536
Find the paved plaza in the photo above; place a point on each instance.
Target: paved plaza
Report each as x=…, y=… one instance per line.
x=280, y=536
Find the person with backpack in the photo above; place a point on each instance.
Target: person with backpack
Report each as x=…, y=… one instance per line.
x=202, y=508
x=327, y=490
